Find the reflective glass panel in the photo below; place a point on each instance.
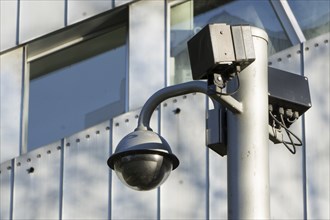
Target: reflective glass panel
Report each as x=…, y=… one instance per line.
x=191, y=16
x=77, y=87
x=312, y=16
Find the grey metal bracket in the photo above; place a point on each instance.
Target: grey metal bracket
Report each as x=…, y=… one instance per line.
x=228, y=101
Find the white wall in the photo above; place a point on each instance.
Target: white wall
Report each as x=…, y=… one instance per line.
x=71, y=177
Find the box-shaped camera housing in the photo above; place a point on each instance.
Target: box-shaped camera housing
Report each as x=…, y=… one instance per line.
x=220, y=48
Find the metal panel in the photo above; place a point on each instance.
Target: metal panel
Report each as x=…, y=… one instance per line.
x=6, y=184
x=146, y=50
x=127, y=203
x=316, y=64
x=288, y=60
x=8, y=24
x=286, y=173
x=85, y=174
x=121, y=2
x=38, y=18
x=185, y=194
x=81, y=9
x=37, y=184
x=11, y=67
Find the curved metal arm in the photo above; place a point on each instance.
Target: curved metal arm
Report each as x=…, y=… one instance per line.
x=165, y=93
x=182, y=89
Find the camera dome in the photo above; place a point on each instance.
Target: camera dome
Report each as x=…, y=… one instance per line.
x=143, y=160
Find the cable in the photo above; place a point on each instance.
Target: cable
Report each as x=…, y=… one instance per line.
x=291, y=121
x=289, y=133
x=283, y=126
x=232, y=93
x=286, y=129
x=293, y=150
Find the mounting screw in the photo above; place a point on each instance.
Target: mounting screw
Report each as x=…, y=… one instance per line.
x=177, y=111
x=30, y=170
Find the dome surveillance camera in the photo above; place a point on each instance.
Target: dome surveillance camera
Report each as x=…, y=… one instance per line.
x=143, y=160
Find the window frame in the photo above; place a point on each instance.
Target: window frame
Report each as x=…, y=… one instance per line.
x=61, y=40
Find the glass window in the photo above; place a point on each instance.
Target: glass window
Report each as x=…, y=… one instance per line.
x=312, y=16
x=191, y=16
x=77, y=87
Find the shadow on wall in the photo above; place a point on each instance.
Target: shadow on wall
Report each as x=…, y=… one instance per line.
x=37, y=183
x=317, y=69
x=108, y=111
x=77, y=167
x=85, y=174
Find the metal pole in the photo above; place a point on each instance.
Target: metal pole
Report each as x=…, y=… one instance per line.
x=248, y=160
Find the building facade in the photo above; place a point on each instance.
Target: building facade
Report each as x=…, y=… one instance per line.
x=75, y=74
